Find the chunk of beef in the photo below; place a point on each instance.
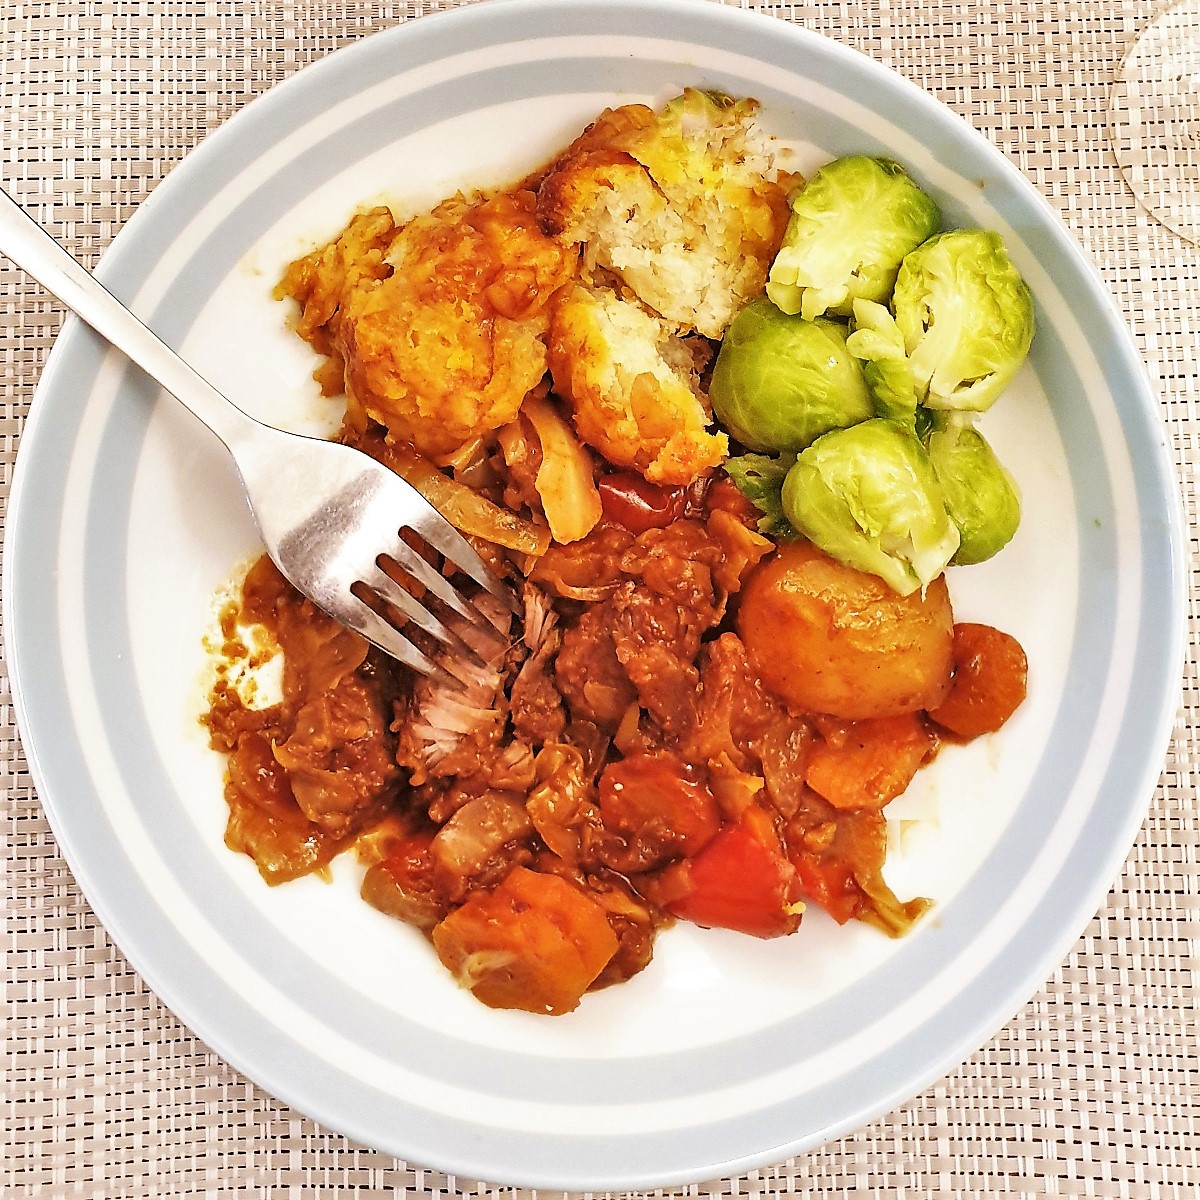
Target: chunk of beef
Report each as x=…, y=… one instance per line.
x=588, y=672
x=655, y=641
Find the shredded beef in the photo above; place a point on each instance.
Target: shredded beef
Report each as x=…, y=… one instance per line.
x=536, y=704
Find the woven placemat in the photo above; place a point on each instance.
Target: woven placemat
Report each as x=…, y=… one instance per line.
x=1092, y=1090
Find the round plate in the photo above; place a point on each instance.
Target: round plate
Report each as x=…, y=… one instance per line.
x=727, y=1052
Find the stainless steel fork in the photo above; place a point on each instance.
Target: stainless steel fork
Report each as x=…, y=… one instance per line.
x=331, y=517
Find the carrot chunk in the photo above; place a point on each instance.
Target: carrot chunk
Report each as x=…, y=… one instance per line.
x=536, y=942
x=864, y=764
x=990, y=672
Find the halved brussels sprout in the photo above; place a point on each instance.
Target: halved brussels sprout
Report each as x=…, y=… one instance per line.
x=981, y=496
x=966, y=316
x=780, y=382
x=868, y=496
x=876, y=341
x=851, y=225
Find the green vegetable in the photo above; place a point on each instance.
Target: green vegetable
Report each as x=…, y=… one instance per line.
x=879, y=345
x=981, y=497
x=851, y=225
x=868, y=496
x=759, y=478
x=780, y=382
x=966, y=317
x=924, y=424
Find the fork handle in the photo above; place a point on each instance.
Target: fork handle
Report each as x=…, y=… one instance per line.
x=24, y=241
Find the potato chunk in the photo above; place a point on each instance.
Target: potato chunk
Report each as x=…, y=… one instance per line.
x=826, y=638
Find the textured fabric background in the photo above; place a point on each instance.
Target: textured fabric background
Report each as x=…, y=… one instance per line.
x=1091, y=1090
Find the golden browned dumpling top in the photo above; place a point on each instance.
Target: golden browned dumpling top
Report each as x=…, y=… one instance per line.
x=663, y=223
x=680, y=204
x=442, y=337
x=633, y=386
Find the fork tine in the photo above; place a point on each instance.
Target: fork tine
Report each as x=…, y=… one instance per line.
x=467, y=608
x=442, y=536
x=382, y=584
x=388, y=638
x=415, y=564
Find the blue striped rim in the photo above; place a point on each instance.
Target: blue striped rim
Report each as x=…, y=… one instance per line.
x=217, y=1013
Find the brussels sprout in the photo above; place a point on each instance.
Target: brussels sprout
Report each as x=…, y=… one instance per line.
x=868, y=496
x=966, y=316
x=780, y=381
x=851, y=225
x=879, y=345
x=981, y=497
x=924, y=423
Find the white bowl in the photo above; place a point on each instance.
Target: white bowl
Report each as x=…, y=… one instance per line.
x=727, y=1052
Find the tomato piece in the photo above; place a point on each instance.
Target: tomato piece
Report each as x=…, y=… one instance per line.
x=989, y=683
x=864, y=764
x=535, y=942
x=656, y=802
x=630, y=500
x=741, y=880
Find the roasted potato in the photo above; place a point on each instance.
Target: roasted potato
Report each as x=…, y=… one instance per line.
x=826, y=638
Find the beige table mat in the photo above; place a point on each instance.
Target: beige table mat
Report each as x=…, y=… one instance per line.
x=1092, y=1089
